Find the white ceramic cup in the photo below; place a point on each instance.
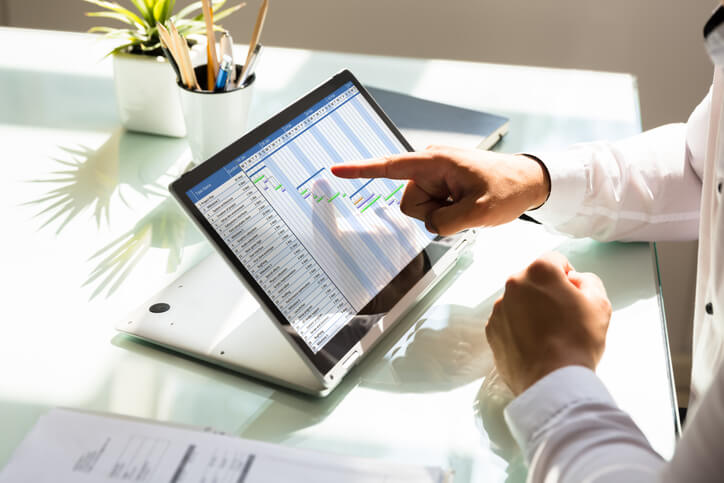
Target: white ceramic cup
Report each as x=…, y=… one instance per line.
x=214, y=119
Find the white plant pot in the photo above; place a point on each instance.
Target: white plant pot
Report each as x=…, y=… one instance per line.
x=146, y=94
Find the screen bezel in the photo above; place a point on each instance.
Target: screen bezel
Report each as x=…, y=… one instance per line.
x=324, y=360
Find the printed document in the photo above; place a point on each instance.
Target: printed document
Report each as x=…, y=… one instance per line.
x=74, y=446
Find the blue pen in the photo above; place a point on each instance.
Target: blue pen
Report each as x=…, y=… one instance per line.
x=224, y=72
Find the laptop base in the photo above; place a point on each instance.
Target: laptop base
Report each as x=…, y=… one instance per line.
x=208, y=314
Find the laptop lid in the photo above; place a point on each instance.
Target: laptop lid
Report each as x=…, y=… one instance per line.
x=326, y=257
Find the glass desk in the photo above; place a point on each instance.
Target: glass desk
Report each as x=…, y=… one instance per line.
x=90, y=233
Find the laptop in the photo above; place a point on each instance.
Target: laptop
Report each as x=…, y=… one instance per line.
x=310, y=271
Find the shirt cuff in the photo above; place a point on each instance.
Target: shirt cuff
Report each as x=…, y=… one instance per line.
x=567, y=173
x=544, y=403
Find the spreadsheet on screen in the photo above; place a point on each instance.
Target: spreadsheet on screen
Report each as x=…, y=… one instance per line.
x=321, y=247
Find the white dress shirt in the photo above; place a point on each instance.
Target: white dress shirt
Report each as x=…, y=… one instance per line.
x=664, y=184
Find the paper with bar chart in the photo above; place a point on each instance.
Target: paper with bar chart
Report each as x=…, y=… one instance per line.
x=321, y=247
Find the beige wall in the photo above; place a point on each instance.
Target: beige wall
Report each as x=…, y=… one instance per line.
x=657, y=40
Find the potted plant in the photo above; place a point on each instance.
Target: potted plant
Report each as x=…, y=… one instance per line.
x=144, y=81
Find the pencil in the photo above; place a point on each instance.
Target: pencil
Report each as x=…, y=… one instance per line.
x=183, y=51
x=255, y=35
x=167, y=39
x=212, y=60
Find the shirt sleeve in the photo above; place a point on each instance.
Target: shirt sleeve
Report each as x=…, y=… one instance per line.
x=644, y=188
x=570, y=430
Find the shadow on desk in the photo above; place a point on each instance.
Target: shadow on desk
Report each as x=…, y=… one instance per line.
x=102, y=180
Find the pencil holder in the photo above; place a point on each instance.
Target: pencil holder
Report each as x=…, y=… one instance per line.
x=214, y=119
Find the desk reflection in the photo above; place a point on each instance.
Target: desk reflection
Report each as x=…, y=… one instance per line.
x=445, y=349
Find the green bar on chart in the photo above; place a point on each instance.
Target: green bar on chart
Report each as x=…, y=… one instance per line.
x=259, y=179
x=333, y=197
x=393, y=193
x=277, y=188
x=302, y=193
x=371, y=203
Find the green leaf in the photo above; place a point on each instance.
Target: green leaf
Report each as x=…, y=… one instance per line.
x=116, y=16
x=184, y=22
x=106, y=30
x=116, y=33
x=144, y=10
x=225, y=13
x=191, y=29
x=121, y=48
x=150, y=47
x=162, y=10
x=188, y=27
x=114, y=7
x=184, y=12
x=214, y=7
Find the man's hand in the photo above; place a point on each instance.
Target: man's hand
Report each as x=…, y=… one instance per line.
x=548, y=317
x=452, y=189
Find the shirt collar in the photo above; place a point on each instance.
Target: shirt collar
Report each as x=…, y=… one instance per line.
x=714, y=36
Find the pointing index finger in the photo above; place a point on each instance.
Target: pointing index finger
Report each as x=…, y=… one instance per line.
x=397, y=166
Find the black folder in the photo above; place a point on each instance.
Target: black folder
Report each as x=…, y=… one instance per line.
x=425, y=122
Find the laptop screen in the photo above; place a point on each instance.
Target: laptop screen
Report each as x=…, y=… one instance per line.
x=329, y=258
x=319, y=246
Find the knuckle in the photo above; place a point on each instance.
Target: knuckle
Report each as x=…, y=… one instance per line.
x=541, y=268
x=497, y=308
x=438, y=152
x=490, y=328
x=498, y=304
x=483, y=204
x=607, y=307
x=386, y=162
x=512, y=284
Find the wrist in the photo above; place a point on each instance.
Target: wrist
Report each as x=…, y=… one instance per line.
x=540, y=181
x=538, y=372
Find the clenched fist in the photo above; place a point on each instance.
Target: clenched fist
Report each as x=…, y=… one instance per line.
x=548, y=317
